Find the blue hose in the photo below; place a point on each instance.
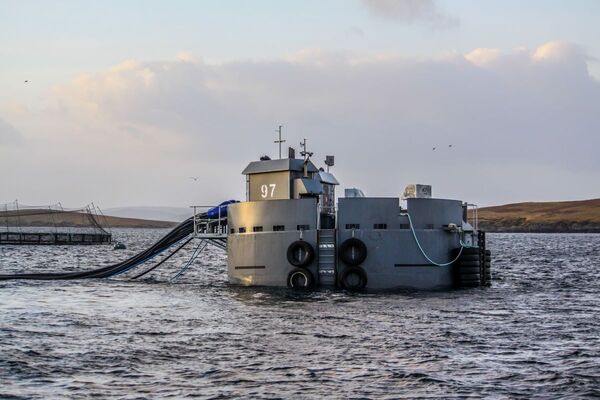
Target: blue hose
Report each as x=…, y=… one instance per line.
x=195, y=254
x=412, y=228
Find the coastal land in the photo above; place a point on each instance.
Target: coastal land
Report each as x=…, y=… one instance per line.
x=581, y=216
x=55, y=218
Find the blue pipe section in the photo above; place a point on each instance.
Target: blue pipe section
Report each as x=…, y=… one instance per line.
x=220, y=210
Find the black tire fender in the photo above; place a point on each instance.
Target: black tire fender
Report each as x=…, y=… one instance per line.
x=465, y=270
x=469, y=257
x=470, y=277
x=470, y=251
x=469, y=264
x=353, y=251
x=300, y=278
x=300, y=253
x=353, y=278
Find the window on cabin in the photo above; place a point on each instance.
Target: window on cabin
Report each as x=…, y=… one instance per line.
x=352, y=226
x=257, y=229
x=379, y=226
x=278, y=228
x=302, y=227
x=242, y=230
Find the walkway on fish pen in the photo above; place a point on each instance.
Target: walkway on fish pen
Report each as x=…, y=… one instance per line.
x=52, y=225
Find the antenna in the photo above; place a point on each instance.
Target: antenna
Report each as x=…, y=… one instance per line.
x=280, y=141
x=304, y=153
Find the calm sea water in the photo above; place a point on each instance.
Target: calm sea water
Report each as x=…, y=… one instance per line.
x=534, y=333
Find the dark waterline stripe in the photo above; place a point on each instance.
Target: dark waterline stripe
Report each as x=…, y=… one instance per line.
x=413, y=265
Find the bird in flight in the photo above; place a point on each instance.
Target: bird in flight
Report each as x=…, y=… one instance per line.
x=26, y=80
x=449, y=145
x=195, y=178
x=433, y=149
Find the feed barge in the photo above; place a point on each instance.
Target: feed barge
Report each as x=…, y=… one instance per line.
x=290, y=232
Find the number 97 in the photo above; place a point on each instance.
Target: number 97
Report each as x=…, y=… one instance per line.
x=265, y=192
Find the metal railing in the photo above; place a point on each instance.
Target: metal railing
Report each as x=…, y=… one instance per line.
x=210, y=221
x=474, y=215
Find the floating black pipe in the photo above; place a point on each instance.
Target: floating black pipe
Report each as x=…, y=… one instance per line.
x=162, y=261
x=178, y=233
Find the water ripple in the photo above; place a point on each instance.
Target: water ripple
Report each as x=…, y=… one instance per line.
x=533, y=334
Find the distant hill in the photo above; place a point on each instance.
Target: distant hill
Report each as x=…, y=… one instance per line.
x=118, y=222
x=46, y=218
x=175, y=214
x=562, y=216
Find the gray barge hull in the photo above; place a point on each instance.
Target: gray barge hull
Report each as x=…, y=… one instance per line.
x=258, y=255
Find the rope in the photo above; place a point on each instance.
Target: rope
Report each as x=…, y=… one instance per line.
x=412, y=228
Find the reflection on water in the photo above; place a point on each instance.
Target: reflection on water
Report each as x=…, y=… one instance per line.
x=534, y=333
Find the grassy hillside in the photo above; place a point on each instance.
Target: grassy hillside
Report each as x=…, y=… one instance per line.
x=48, y=218
x=563, y=216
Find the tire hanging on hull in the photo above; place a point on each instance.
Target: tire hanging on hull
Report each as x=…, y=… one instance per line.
x=353, y=278
x=300, y=253
x=487, y=269
x=300, y=278
x=353, y=251
x=473, y=268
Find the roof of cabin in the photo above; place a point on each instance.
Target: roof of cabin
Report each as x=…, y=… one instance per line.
x=328, y=178
x=285, y=164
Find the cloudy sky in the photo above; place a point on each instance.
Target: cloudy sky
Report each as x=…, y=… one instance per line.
x=128, y=99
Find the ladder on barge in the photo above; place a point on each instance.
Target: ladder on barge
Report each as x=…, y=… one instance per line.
x=327, y=256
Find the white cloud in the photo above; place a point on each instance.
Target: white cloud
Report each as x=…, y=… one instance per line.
x=559, y=51
x=482, y=56
x=408, y=11
x=136, y=132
